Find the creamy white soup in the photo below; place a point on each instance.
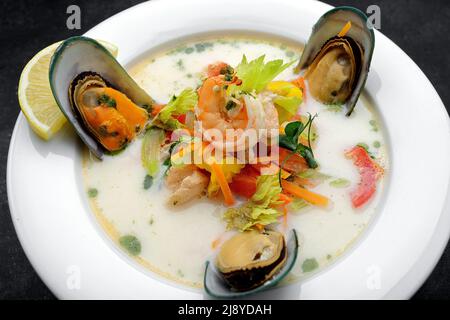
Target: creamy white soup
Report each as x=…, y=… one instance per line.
x=176, y=242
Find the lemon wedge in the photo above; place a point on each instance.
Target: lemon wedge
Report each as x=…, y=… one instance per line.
x=35, y=96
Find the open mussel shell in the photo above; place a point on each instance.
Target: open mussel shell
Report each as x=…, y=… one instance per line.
x=342, y=80
x=218, y=286
x=84, y=56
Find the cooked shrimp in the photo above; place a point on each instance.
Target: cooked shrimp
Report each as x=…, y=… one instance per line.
x=230, y=116
x=212, y=107
x=186, y=182
x=218, y=68
x=270, y=112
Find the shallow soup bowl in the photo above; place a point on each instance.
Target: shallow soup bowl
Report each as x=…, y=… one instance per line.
x=398, y=250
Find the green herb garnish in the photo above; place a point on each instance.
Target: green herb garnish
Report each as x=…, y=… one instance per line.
x=313, y=175
x=148, y=108
x=111, y=103
x=335, y=107
x=230, y=105
x=180, y=64
x=168, y=161
x=289, y=140
x=309, y=265
x=92, y=192
x=148, y=181
x=298, y=204
x=105, y=99
x=131, y=244
x=290, y=53
x=227, y=70
x=180, y=273
x=340, y=183
x=363, y=145
x=199, y=47
x=374, y=125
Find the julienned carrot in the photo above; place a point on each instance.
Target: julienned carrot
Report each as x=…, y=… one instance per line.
x=345, y=29
x=286, y=199
x=300, y=83
x=304, y=182
x=156, y=108
x=260, y=227
x=223, y=183
x=302, y=193
x=216, y=242
x=180, y=154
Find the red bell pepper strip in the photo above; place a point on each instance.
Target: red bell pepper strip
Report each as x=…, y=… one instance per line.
x=369, y=172
x=291, y=162
x=244, y=183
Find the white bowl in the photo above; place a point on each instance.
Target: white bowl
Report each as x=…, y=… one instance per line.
x=76, y=260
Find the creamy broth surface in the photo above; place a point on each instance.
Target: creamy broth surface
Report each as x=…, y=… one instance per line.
x=177, y=242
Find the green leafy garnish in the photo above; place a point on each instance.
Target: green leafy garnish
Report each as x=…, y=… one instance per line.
x=148, y=181
x=248, y=215
x=131, y=244
x=92, y=192
x=268, y=190
x=256, y=74
x=177, y=106
x=259, y=210
x=340, y=183
x=309, y=265
x=289, y=140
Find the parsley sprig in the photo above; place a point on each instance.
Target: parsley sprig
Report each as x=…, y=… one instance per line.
x=290, y=140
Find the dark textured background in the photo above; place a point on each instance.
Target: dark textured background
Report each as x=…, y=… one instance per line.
x=421, y=28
